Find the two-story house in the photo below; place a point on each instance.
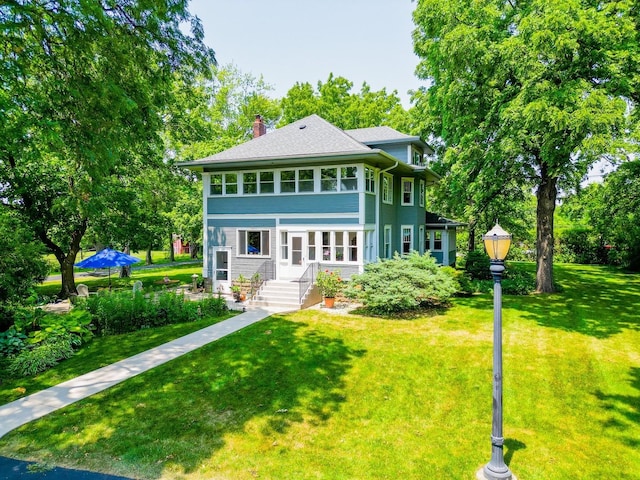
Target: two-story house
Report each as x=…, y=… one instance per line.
x=309, y=194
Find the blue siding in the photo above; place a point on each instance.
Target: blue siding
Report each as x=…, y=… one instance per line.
x=239, y=223
x=398, y=151
x=439, y=256
x=271, y=204
x=319, y=221
x=369, y=209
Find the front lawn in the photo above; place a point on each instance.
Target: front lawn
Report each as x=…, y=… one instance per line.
x=319, y=395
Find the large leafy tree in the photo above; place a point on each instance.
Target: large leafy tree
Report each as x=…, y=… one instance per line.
x=334, y=101
x=526, y=92
x=83, y=89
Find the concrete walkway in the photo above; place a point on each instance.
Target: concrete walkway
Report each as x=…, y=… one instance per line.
x=32, y=407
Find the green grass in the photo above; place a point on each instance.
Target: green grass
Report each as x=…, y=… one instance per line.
x=159, y=257
x=151, y=278
x=100, y=352
x=319, y=395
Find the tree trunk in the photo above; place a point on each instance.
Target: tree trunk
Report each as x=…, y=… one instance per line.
x=172, y=254
x=547, y=193
x=193, y=250
x=471, y=241
x=149, y=260
x=66, y=270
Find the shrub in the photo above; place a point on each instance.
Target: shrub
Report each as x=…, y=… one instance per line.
x=464, y=284
x=329, y=283
x=76, y=322
x=477, y=265
x=401, y=284
x=12, y=342
x=518, y=282
x=35, y=360
x=121, y=312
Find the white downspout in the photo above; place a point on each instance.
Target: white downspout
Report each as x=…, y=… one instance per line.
x=378, y=200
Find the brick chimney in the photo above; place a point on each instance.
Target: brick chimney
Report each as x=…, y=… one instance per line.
x=259, y=128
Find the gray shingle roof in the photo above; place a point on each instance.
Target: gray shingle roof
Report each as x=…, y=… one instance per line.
x=379, y=135
x=311, y=135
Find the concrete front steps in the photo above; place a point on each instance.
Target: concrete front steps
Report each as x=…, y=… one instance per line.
x=283, y=294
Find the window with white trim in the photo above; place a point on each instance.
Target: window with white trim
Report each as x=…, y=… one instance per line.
x=328, y=179
x=369, y=180
x=437, y=240
x=288, y=181
x=407, y=191
x=266, y=182
x=387, y=189
x=326, y=246
x=407, y=239
x=306, y=180
x=249, y=183
x=223, y=184
x=311, y=242
x=387, y=241
x=348, y=179
x=422, y=195
x=353, y=247
x=253, y=242
x=284, y=245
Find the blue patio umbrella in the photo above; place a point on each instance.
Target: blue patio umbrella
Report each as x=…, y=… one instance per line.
x=108, y=258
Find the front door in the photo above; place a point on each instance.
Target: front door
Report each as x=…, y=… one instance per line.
x=295, y=264
x=221, y=272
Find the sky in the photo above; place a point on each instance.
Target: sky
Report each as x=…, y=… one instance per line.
x=289, y=41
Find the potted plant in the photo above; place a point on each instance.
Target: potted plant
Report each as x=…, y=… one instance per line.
x=330, y=284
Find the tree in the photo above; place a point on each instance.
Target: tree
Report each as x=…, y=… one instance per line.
x=335, y=102
x=22, y=264
x=84, y=86
x=528, y=93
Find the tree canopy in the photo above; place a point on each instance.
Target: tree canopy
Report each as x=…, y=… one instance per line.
x=84, y=86
x=335, y=102
x=526, y=92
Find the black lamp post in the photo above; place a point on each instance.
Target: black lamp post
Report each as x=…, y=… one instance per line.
x=497, y=243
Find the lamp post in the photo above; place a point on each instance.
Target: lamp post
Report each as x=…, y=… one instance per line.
x=497, y=243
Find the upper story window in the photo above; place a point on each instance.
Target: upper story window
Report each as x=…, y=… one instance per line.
x=417, y=158
x=296, y=180
x=348, y=178
x=328, y=179
x=216, y=184
x=258, y=182
x=266, y=182
x=407, y=191
x=369, y=180
x=249, y=183
x=306, y=180
x=387, y=188
x=224, y=184
x=288, y=181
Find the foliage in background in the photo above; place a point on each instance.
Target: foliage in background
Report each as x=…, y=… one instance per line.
x=22, y=265
x=87, y=99
x=334, y=101
x=120, y=312
x=526, y=94
x=402, y=283
x=477, y=265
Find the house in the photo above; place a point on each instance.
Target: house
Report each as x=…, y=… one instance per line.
x=311, y=195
